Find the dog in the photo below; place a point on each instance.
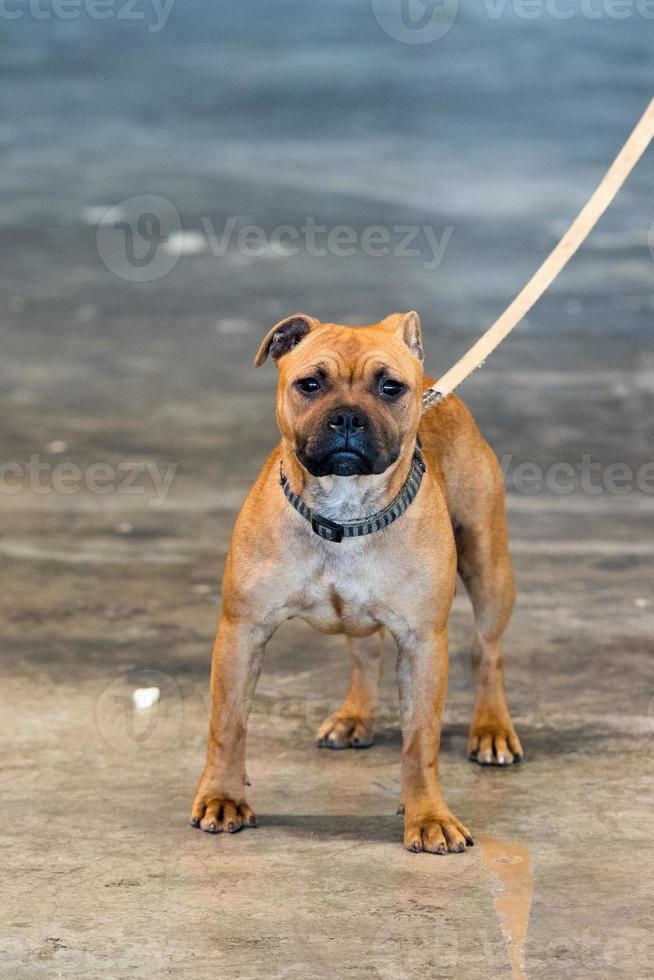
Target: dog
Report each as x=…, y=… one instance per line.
x=358, y=524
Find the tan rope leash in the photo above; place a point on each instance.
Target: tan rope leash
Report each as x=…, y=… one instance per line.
x=575, y=236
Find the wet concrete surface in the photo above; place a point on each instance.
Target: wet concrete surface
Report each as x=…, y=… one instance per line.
x=104, y=592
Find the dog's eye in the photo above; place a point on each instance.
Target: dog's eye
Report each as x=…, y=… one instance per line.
x=308, y=385
x=391, y=389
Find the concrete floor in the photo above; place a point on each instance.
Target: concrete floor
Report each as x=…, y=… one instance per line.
x=103, y=593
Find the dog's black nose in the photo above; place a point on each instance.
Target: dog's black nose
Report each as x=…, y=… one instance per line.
x=347, y=421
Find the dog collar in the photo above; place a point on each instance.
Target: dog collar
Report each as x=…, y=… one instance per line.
x=335, y=532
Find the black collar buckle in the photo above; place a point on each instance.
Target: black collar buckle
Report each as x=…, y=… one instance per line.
x=324, y=528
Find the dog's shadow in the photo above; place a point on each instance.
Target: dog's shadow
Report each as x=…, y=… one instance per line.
x=346, y=828
x=453, y=738
x=538, y=743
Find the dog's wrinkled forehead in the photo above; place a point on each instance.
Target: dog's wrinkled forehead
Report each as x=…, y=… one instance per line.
x=299, y=339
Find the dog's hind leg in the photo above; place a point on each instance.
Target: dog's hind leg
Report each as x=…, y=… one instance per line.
x=485, y=567
x=351, y=726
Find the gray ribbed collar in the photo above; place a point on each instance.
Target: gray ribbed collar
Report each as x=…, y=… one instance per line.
x=335, y=532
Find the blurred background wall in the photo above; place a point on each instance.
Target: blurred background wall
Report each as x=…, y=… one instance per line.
x=274, y=112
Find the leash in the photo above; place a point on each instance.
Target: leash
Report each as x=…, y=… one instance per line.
x=575, y=236
x=335, y=532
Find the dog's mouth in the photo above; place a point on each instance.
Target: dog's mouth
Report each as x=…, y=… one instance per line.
x=339, y=462
x=347, y=462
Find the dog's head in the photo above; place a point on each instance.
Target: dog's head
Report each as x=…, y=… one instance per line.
x=349, y=398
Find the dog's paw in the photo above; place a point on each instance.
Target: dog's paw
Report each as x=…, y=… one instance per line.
x=344, y=732
x=217, y=814
x=494, y=744
x=437, y=832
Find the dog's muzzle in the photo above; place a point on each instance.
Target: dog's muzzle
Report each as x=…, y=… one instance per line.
x=344, y=445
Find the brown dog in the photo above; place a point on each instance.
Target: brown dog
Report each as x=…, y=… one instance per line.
x=349, y=411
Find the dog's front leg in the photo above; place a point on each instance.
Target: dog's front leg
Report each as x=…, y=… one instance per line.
x=429, y=825
x=219, y=803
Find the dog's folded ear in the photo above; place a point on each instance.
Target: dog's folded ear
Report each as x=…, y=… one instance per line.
x=407, y=326
x=284, y=336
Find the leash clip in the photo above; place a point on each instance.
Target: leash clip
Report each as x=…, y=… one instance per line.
x=326, y=529
x=418, y=457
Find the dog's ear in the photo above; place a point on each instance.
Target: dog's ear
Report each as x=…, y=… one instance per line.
x=284, y=336
x=407, y=326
